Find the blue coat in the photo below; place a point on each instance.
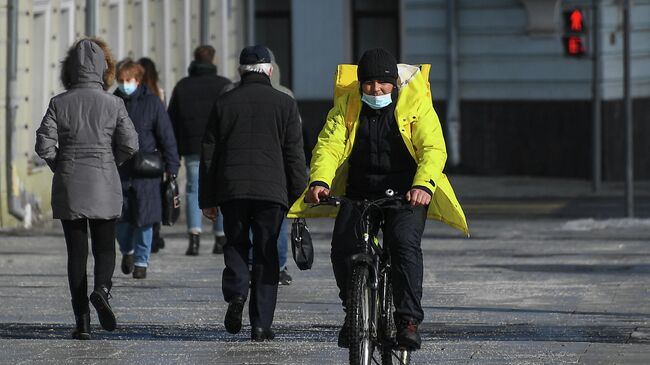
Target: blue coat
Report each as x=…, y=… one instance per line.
x=142, y=196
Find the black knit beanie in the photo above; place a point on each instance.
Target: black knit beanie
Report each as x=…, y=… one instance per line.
x=377, y=64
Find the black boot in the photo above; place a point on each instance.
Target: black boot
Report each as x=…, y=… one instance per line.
x=344, y=334
x=193, y=248
x=140, y=272
x=127, y=264
x=407, y=333
x=82, y=330
x=259, y=334
x=99, y=299
x=232, y=322
x=219, y=242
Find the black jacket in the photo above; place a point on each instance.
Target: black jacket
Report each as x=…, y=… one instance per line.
x=379, y=159
x=252, y=148
x=190, y=105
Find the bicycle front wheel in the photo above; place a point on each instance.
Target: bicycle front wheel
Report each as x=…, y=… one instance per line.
x=361, y=346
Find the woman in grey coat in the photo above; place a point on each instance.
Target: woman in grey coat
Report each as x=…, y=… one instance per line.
x=85, y=134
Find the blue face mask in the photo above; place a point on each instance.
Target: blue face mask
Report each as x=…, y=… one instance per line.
x=128, y=87
x=377, y=102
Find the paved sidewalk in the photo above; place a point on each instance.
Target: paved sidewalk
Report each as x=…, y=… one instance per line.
x=544, y=279
x=518, y=292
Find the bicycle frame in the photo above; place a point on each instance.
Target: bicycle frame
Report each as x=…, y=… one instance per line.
x=376, y=259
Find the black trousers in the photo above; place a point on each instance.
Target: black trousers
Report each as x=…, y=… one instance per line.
x=403, y=228
x=263, y=219
x=102, y=234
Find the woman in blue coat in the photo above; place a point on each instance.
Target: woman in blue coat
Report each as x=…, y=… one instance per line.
x=142, y=196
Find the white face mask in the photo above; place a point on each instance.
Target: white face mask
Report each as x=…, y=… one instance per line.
x=128, y=87
x=377, y=102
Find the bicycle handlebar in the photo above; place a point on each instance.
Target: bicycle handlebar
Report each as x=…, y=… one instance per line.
x=335, y=201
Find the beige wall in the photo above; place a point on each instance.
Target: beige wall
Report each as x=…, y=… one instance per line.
x=167, y=31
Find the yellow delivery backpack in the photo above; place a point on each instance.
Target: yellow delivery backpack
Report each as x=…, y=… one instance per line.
x=414, y=82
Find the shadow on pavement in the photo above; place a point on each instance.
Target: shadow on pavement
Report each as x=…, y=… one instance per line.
x=574, y=269
x=321, y=333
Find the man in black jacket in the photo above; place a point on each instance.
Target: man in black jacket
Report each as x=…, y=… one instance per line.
x=189, y=108
x=253, y=167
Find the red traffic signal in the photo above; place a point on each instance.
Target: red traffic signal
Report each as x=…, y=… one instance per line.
x=574, y=42
x=576, y=21
x=574, y=46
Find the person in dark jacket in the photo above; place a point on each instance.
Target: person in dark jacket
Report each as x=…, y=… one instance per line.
x=252, y=167
x=189, y=108
x=150, y=79
x=142, y=195
x=85, y=133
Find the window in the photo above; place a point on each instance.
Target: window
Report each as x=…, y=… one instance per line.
x=273, y=29
x=375, y=24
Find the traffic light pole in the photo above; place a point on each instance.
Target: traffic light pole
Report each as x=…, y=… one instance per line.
x=627, y=112
x=597, y=158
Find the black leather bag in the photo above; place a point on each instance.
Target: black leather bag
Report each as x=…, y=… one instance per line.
x=171, y=201
x=301, y=244
x=148, y=164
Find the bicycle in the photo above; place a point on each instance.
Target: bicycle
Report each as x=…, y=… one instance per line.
x=370, y=296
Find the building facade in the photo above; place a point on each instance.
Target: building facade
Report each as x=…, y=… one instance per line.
x=499, y=70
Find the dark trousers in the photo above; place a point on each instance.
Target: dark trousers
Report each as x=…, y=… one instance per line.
x=263, y=219
x=403, y=228
x=102, y=234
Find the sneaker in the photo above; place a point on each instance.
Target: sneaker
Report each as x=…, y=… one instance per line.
x=127, y=264
x=139, y=272
x=219, y=242
x=407, y=333
x=193, y=247
x=99, y=298
x=233, y=315
x=285, y=278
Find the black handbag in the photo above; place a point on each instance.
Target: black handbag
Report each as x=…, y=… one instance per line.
x=171, y=201
x=301, y=244
x=148, y=164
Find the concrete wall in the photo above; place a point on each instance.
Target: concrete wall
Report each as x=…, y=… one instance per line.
x=167, y=31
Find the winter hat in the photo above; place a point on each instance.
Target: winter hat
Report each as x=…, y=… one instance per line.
x=253, y=55
x=377, y=64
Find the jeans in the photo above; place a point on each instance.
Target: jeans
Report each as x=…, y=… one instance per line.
x=192, y=210
x=135, y=241
x=102, y=238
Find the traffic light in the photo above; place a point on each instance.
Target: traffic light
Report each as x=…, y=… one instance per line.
x=574, y=39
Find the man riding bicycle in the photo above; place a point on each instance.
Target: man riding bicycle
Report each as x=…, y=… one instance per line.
x=384, y=134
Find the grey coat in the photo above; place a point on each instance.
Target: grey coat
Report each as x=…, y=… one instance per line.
x=85, y=134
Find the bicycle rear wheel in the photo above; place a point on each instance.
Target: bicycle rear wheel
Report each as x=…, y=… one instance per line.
x=361, y=346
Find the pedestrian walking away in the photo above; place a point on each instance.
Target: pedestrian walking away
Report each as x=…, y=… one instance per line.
x=252, y=184
x=189, y=109
x=381, y=134
x=283, y=238
x=150, y=78
x=85, y=134
x=142, y=206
